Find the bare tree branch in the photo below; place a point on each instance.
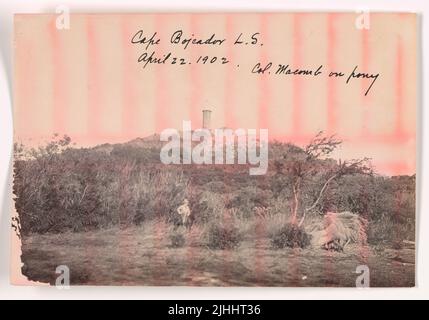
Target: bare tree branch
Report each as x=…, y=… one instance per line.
x=322, y=145
x=318, y=198
x=301, y=167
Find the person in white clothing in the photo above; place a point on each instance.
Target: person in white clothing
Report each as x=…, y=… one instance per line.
x=184, y=211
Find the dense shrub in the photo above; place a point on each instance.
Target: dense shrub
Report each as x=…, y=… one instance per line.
x=177, y=239
x=83, y=189
x=249, y=197
x=208, y=206
x=220, y=235
x=291, y=236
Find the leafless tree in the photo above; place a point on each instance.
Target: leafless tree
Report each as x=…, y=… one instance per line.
x=302, y=166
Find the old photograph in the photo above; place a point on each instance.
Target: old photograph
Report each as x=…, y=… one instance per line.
x=236, y=149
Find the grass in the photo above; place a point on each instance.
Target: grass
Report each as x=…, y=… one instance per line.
x=144, y=256
x=290, y=235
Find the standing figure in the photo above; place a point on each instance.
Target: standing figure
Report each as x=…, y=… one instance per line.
x=184, y=212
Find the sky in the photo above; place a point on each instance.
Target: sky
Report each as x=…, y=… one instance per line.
x=86, y=81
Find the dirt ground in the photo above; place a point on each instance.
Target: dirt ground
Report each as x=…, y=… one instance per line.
x=144, y=256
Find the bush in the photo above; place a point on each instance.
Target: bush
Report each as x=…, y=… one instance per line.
x=222, y=236
x=82, y=190
x=208, y=205
x=249, y=197
x=177, y=239
x=291, y=236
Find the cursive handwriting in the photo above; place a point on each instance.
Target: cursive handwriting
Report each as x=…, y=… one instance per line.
x=154, y=55
x=178, y=38
x=141, y=39
x=360, y=75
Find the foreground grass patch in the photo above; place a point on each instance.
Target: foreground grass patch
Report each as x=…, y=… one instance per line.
x=143, y=256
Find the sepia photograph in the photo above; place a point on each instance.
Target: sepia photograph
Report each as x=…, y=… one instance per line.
x=215, y=149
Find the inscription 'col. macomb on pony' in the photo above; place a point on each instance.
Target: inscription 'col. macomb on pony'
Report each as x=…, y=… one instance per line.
x=219, y=146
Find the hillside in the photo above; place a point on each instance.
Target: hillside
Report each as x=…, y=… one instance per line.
x=66, y=188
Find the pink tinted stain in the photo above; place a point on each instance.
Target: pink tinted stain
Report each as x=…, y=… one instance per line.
x=94, y=103
x=24, y=80
x=399, y=135
x=332, y=92
x=393, y=167
x=264, y=85
x=130, y=106
x=59, y=78
x=364, y=82
x=399, y=87
x=161, y=90
x=195, y=75
x=229, y=76
x=297, y=82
